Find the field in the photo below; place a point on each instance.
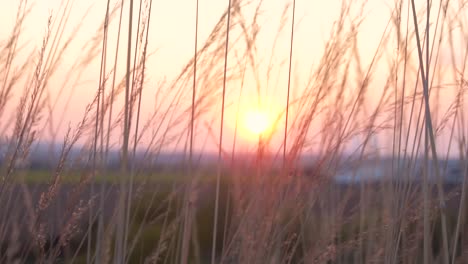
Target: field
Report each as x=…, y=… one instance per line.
x=334, y=206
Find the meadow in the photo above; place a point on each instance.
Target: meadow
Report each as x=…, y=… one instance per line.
x=227, y=144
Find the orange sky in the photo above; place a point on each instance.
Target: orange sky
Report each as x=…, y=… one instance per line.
x=171, y=40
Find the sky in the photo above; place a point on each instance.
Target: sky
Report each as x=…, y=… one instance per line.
x=171, y=45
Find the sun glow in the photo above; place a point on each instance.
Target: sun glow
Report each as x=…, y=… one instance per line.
x=258, y=122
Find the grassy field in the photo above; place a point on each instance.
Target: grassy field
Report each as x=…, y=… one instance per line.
x=286, y=94
x=31, y=177
x=330, y=211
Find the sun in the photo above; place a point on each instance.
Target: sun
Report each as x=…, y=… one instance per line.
x=258, y=122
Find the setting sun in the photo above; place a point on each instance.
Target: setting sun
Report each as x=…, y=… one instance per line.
x=258, y=121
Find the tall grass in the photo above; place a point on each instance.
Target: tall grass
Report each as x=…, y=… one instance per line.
x=387, y=104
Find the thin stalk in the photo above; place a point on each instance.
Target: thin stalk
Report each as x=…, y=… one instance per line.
x=100, y=104
x=127, y=92
x=132, y=165
x=426, y=214
x=428, y=123
x=220, y=145
x=289, y=84
x=111, y=104
x=463, y=156
x=120, y=254
x=188, y=207
x=461, y=208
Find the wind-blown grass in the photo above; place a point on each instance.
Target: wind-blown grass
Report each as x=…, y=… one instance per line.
x=394, y=110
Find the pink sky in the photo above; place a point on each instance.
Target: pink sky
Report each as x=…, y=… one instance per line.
x=171, y=40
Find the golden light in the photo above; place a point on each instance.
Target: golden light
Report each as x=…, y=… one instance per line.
x=258, y=122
